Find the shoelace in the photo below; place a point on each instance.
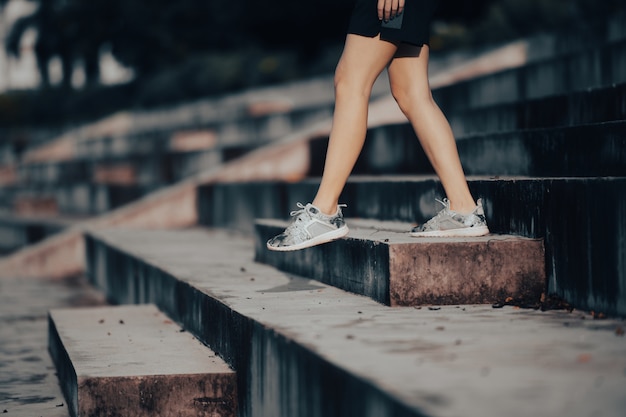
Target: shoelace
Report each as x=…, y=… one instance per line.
x=445, y=202
x=446, y=207
x=298, y=212
x=303, y=209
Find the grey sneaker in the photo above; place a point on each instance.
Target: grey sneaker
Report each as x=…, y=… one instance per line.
x=448, y=223
x=309, y=227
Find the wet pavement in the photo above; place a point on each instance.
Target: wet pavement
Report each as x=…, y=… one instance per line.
x=29, y=386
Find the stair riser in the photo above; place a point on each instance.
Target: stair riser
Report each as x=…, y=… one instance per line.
x=394, y=149
x=582, y=222
x=275, y=377
x=358, y=266
x=65, y=370
x=576, y=71
x=236, y=206
x=155, y=168
x=158, y=396
x=566, y=152
x=77, y=198
x=14, y=235
x=571, y=109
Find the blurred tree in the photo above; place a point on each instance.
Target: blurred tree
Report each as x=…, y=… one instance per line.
x=148, y=35
x=52, y=38
x=151, y=35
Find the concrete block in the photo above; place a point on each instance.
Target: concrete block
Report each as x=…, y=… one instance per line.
x=237, y=206
x=135, y=361
x=398, y=270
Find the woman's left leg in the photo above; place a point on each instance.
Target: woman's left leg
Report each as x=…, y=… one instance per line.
x=408, y=77
x=461, y=215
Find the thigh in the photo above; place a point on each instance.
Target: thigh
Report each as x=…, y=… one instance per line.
x=364, y=58
x=408, y=69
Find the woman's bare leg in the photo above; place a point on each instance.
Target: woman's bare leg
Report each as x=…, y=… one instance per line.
x=362, y=61
x=408, y=77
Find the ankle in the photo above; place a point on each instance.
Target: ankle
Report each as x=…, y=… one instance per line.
x=325, y=208
x=465, y=208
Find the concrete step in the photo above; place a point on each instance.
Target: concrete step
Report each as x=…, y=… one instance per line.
x=580, y=219
x=395, y=269
x=135, y=361
x=302, y=348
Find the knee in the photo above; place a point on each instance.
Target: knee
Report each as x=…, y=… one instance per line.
x=411, y=98
x=350, y=84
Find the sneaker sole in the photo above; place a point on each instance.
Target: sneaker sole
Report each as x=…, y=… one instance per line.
x=325, y=238
x=466, y=232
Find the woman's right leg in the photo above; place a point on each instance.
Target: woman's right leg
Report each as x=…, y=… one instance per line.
x=362, y=61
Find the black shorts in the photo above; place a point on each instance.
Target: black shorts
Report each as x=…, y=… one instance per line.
x=412, y=26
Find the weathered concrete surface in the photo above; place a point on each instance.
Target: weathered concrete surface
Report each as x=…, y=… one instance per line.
x=29, y=386
x=303, y=348
x=135, y=361
x=398, y=270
